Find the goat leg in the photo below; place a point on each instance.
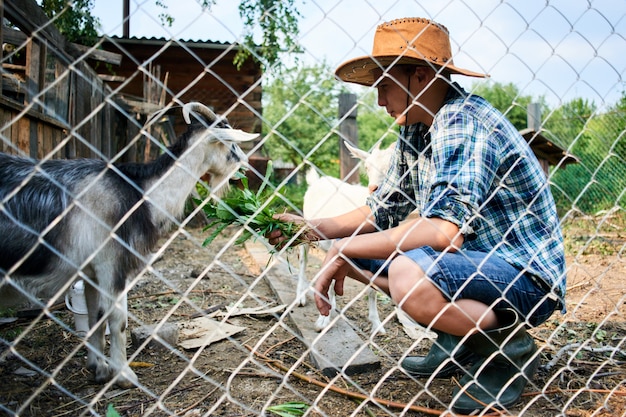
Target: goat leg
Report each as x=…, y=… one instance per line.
x=323, y=321
x=373, y=316
x=96, y=362
x=303, y=283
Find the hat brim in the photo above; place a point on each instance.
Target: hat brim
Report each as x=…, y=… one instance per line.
x=360, y=70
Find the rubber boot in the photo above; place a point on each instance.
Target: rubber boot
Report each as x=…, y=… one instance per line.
x=509, y=361
x=445, y=358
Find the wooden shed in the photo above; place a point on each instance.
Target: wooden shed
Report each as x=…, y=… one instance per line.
x=548, y=153
x=52, y=103
x=188, y=71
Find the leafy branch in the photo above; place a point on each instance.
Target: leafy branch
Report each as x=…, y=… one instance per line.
x=251, y=211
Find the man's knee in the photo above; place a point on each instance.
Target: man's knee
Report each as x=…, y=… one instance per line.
x=404, y=277
x=411, y=289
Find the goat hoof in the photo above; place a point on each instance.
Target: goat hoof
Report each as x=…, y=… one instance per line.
x=127, y=380
x=377, y=327
x=378, y=330
x=102, y=373
x=322, y=322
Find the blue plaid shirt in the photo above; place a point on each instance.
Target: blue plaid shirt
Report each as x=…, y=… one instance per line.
x=474, y=169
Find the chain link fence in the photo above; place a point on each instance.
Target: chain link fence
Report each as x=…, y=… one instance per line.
x=219, y=328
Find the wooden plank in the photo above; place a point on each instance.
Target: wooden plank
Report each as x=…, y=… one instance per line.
x=336, y=349
x=6, y=116
x=99, y=54
x=23, y=134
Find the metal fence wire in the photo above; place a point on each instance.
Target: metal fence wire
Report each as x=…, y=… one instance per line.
x=117, y=298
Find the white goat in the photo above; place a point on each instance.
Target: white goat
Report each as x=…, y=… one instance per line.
x=89, y=219
x=328, y=197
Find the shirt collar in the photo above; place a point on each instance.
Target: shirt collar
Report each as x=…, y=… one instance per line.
x=454, y=92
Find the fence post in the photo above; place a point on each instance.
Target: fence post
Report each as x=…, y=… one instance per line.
x=348, y=131
x=533, y=116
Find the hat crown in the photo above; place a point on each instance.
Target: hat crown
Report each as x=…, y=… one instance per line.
x=411, y=40
x=417, y=38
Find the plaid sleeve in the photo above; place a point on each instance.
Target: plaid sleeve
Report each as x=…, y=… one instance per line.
x=464, y=158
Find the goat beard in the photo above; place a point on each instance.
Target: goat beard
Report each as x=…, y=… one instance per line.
x=217, y=183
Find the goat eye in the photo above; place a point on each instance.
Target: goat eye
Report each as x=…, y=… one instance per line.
x=222, y=124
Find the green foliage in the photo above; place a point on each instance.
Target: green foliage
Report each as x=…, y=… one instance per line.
x=278, y=20
x=300, y=111
x=290, y=409
x=296, y=195
x=254, y=212
x=165, y=18
x=73, y=19
x=300, y=114
x=7, y=312
x=598, y=182
x=508, y=99
x=9, y=334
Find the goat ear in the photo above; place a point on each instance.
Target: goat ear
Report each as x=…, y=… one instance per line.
x=356, y=152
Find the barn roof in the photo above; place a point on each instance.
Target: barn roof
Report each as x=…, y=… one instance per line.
x=205, y=44
x=545, y=149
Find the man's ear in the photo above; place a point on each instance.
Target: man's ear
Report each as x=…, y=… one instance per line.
x=423, y=73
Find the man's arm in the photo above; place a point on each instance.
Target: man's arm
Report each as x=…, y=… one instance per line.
x=434, y=232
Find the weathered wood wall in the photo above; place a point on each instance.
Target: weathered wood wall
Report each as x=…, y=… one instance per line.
x=196, y=71
x=53, y=103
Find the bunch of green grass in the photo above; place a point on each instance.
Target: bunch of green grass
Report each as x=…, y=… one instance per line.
x=253, y=212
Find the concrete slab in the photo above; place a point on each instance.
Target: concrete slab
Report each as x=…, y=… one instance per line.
x=338, y=348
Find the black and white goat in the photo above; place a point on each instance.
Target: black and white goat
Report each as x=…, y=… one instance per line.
x=328, y=197
x=67, y=219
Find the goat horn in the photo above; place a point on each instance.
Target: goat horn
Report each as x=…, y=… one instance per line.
x=198, y=108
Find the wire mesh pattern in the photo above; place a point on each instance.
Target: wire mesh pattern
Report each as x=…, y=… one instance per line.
x=220, y=327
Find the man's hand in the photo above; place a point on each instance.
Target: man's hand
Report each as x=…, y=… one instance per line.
x=306, y=234
x=334, y=267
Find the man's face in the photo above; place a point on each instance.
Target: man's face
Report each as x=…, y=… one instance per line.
x=392, y=93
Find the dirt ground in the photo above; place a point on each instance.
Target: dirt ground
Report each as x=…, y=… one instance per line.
x=267, y=364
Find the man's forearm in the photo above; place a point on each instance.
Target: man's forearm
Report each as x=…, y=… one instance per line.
x=354, y=222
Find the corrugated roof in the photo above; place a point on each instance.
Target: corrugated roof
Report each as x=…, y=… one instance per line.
x=207, y=44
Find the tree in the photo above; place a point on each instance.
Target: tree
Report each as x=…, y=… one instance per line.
x=508, y=99
x=278, y=20
x=73, y=19
x=598, y=181
x=300, y=111
x=300, y=117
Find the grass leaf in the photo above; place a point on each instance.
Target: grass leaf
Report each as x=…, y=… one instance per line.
x=289, y=409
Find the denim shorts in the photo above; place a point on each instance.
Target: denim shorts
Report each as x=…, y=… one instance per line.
x=477, y=276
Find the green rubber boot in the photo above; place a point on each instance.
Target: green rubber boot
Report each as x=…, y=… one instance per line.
x=509, y=361
x=446, y=357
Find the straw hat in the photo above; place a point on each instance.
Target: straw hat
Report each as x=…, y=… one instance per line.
x=404, y=41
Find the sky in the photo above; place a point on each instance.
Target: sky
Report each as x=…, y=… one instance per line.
x=558, y=50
